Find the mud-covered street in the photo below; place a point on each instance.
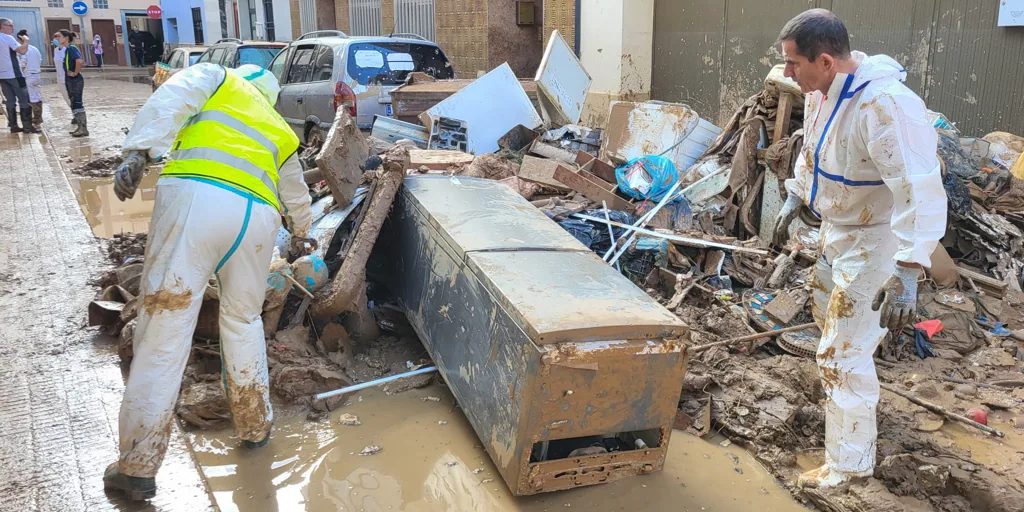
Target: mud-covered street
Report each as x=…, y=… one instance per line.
x=63, y=381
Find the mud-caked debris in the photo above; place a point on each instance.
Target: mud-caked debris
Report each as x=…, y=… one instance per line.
x=204, y=404
x=349, y=419
x=373, y=449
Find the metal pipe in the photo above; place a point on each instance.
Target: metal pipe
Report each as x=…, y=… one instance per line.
x=611, y=234
x=372, y=383
x=693, y=241
x=642, y=223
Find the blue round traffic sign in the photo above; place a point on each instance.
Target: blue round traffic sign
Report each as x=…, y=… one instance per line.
x=80, y=8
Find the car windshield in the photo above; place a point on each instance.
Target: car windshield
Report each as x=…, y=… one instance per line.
x=193, y=57
x=389, y=63
x=260, y=56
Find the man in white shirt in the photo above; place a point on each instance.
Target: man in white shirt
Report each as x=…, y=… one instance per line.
x=31, y=63
x=12, y=81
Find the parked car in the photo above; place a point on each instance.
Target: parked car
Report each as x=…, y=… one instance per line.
x=326, y=70
x=177, y=60
x=232, y=53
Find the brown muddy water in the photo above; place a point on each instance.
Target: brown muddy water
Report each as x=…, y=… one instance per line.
x=431, y=460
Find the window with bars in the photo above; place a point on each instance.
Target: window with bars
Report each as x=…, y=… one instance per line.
x=100, y=4
x=55, y=3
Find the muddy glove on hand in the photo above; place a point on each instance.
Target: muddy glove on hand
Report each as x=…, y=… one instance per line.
x=897, y=299
x=299, y=247
x=789, y=212
x=129, y=173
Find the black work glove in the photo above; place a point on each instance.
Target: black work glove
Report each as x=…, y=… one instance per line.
x=129, y=173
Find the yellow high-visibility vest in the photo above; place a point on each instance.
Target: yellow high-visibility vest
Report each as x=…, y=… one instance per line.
x=237, y=140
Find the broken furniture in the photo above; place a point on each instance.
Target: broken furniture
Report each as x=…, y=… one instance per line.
x=569, y=373
x=409, y=101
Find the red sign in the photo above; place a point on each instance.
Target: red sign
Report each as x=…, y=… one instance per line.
x=154, y=12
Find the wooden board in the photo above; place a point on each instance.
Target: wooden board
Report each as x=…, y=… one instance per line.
x=438, y=159
x=593, y=191
x=409, y=101
x=541, y=170
x=602, y=169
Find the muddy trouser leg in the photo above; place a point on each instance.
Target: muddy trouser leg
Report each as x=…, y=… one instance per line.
x=10, y=87
x=856, y=261
x=35, y=97
x=64, y=93
x=75, y=87
x=192, y=229
x=242, y=275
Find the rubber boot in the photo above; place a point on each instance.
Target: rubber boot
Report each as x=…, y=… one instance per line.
x=135, y=488
x=83, y=129
x=37, y=113
x=252, y=445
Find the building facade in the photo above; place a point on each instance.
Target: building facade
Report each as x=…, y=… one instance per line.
x=204, y=22
x=111, y=19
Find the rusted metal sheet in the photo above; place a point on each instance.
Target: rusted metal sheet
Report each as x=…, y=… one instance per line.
x=534, y=335
x=652, y=128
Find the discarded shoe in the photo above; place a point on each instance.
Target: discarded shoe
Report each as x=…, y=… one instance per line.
x=135, y=488
x=823, y=478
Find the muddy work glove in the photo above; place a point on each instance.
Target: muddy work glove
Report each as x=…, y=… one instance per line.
x=129, y=173
x=897, y=299
x=301, y=246
x=790, y=210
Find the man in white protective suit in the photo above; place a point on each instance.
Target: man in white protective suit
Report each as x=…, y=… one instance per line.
x=232, y=172
x=869, y=170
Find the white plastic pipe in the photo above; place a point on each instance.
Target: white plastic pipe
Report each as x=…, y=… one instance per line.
x=372, y=383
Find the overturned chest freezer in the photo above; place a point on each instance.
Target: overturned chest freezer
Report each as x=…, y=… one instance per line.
x=569, y=373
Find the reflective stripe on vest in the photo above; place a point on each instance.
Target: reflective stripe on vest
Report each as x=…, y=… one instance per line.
x=237, y=139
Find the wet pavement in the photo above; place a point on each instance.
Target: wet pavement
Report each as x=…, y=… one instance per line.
x=63, y=384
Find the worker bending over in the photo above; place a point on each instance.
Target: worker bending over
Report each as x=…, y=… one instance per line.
x=869, y=170
x=231, y=173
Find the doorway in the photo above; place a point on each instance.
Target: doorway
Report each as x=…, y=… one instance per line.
x=151, y=36
x=52, y=26
x=107, y=33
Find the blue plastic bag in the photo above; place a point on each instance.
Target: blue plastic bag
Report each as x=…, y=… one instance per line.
x=647, y=177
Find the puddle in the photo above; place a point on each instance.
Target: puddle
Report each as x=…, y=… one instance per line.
x=431, y=460
x=107, y=215
x=998, y=453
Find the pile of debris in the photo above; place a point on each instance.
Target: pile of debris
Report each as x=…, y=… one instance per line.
x=683, y=209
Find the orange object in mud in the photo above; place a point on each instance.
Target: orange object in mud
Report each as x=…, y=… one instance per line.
x=569, y=374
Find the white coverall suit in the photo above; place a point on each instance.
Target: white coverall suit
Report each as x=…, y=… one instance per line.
x=869, y=170
x=199, y=230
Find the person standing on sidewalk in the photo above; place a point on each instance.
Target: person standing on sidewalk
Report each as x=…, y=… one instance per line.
x=58, y=59
x=31, y=64
x=232, y=173
x=12, y=81
x=97, y=50
x=73, y=80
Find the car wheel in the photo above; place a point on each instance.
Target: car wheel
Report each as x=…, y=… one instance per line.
x=315, y=135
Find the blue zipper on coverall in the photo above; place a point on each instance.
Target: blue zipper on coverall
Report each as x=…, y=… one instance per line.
x=843, y=96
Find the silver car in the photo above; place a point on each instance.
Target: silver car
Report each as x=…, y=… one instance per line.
x=326, y=70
